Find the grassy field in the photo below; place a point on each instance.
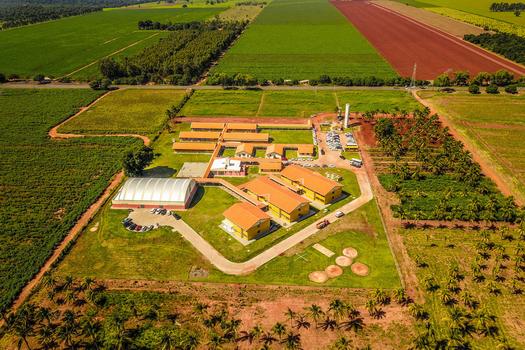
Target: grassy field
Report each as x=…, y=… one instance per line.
x=289, y=136
x=113, y=252
x=141, y=111
x=290, y=103
x=294, y=39
x=46, y=185
x=60, y=47
x=440, y=250
x=480, y=7
x=496, y=124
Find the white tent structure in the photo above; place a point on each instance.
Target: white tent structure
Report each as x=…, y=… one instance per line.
x=155, y=193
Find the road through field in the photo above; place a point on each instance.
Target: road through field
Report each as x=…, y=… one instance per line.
x=405, y=42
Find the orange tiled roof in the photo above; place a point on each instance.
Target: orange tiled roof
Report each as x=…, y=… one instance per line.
x=275, y=194
x=193, y=146
x=275, y=148
x=244, y=147
x=209, y=135
x=246, y=136
x=270, y=166
x=305, y=149
x=210, y=126
x=245, y=215
x=310, y=179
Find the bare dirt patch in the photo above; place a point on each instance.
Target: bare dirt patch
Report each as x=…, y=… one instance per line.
x=360, y=269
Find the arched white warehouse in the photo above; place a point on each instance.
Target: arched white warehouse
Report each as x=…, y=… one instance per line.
x=155, y=193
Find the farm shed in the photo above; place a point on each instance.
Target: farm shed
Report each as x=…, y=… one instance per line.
x=193, y=147
x=245, y=220
x=199, y=136
x=314, y=185
x=155, y=193
x=246, y=137
x=282, y=202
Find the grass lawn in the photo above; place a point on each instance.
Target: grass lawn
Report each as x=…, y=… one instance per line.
x=141, y=111
x=56, y=48
x=113, y=252
x=293, y=103
x=496, y=124
x=206, y=216
x=289, y=136
x=166, y=162
x=293, y=39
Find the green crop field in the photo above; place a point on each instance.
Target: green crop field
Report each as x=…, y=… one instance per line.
x=141, y=111
x=293, y=103
x=46, y=184
x=294, y=39
x=60, y=47
x=496, y=124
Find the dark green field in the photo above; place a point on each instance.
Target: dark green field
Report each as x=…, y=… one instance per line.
x=294, y=39
x=45, y=185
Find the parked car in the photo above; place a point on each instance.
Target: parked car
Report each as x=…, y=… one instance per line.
x=339, y=214
x=153, y=211
x=163, y=212
x=138, y=228
x=128, y=223
x=322, y=224
x=132, y=227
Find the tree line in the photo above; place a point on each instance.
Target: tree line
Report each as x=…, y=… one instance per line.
x=150, y=25
x=180, y=59
x=510, y=46
x=507, y=7
x=15, y=13
x=240, y=79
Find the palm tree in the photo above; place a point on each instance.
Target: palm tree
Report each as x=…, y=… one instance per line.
x=302, y=322
x=343, y=344
x=90, y=328
x=468, y=300
x=201, y=309
x=328, y=324
x=315, y=312
x=279, y=329
x=216, y=341
x=24, y=324
x=267, y=338
x=46, y=337
x=167, y=341
x=87, y=283
x=402, y=297
x=352, y=324
x=338, y=308
x=68, y=282
x=290, y=314
x=292, y=341
x=381, y=297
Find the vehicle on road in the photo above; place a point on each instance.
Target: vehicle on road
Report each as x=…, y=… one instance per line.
x=339, y=214
x=322, y=224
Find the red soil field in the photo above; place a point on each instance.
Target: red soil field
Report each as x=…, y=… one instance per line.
x=403, y=41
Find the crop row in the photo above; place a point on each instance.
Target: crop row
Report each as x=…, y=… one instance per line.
x=46, y=185
x=480, y=21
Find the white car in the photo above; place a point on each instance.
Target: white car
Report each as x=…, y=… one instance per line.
x=339, y=213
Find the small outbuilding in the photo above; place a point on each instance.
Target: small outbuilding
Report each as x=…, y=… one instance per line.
x=155, y=193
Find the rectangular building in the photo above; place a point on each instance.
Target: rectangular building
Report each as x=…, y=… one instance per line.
x=282, y=202
x=193, y=147
x=246, y=221
x=200, y=126
x=241, y=127
x=244, y=150
x=193, y=136
x=227, y=167
x=314, y=185
x=246, y=137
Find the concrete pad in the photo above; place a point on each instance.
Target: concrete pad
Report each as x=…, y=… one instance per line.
x=343, y=261
x=350, y=252
x=318, y=276
x=333, y=271
x=323, y=250
x=192, y=169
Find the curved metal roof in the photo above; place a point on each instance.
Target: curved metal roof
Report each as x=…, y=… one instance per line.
x=155, y=190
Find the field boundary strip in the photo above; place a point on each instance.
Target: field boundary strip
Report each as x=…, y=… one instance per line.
x=519, y=69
